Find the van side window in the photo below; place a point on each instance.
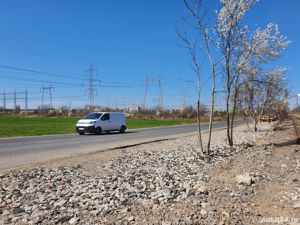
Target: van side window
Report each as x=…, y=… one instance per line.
x=105, y=117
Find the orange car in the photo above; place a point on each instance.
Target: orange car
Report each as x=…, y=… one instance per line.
x=267, y=118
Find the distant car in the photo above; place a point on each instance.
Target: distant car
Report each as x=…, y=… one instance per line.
x=98, y=122
x=267, y=118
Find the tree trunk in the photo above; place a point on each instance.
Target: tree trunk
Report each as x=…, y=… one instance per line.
x=198, y=125
x=228, y=111
x=233, y=114
x=255, y=124
x=228, y=85
x=228, y=121
x=212, y=104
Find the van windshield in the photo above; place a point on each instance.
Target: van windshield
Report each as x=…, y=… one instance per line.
x=93, y=116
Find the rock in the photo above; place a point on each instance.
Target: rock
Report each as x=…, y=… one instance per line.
x=294, y=197
x=35, y=220
x=296, y=205
x=166, y=223
x=2, y=175
x=5, y=212
x=130, y=219
x=27, y=208
x=64, y=218
x=203, y=213
x=15, y=219
x=225, y=214
x=243, y=179
x=73, y=220
x=60, y=203
x=41, y=217
x=17, y=210
x=202, y=189
x=205, y=205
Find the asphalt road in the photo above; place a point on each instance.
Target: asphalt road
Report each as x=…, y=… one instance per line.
x=20, y=151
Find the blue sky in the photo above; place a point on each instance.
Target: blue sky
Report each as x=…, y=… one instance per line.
x=124, y=40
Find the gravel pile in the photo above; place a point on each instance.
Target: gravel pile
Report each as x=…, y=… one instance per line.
x=152, y=179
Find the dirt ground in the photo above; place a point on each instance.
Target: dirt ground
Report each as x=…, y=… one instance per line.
x=272, y=160
x=276, y=163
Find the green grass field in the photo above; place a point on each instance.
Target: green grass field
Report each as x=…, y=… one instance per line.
x=12, y=126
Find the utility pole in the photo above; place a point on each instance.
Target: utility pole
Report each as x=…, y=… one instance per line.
x=15, y=100
x=146, y=91
x=91, y=90
x=161, y=102
x=4, y=100
x=43, y=94
x=26, y=101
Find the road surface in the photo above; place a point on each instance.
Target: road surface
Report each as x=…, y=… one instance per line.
x=20, y=151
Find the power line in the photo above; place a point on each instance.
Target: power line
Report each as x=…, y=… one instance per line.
x=39, y=72
x=40, y=81
x=78, y=77
x=60, y=83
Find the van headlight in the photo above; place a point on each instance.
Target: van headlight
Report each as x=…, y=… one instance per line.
x=93, y=122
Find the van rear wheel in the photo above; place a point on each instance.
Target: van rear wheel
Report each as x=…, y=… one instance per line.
x=122, y=129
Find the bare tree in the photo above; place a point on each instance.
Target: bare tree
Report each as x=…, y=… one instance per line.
x=205, y=42
x=192, y=49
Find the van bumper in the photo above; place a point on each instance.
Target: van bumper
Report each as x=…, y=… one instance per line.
x=90, y=129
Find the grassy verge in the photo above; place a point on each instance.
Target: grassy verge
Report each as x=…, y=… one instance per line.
x=12, y=126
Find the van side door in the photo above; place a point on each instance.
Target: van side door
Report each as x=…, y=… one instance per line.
x=105, y=122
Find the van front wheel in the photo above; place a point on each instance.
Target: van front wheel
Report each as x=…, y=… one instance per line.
x=98, y=130
x=122, y=129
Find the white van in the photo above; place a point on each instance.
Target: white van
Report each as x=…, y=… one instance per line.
x=98, y=122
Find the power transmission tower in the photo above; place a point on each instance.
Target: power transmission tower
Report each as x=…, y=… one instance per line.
x=161, y=102
x=46, y=90
x=146, y=82
x=91, y=90
x=14, y=96
x=184, y=103
x=160, y=99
